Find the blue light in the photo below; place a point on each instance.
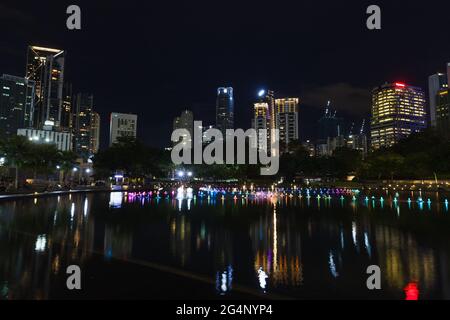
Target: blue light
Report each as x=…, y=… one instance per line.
x=261, y=93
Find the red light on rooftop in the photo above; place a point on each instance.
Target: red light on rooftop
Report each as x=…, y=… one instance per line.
x=399, y=84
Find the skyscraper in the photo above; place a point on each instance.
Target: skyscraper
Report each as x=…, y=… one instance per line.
x=82, y=124
x=261, y=121
x=45, y=66
x=122, y=125
x=225, y=109
x=268, y=97
x=16, y=104
x=95, y=133
x=66, y=111
x=443, y=112
x=398, y=110
x=185, y=121
x=286, y=111
x=436, y=82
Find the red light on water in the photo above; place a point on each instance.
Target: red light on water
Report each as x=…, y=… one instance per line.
x=412, y=292
x=399, y=84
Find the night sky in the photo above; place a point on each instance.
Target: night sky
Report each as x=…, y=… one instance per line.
x=156, y=59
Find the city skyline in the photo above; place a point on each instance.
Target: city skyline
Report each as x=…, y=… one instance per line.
x=345, y=72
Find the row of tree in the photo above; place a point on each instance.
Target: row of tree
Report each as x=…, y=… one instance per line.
x=31, y=158
x=422, y=155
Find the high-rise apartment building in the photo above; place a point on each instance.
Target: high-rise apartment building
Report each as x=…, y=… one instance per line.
x=225, y=109
x=45, y=66
x=122, y=125
x=398, y=110
x=261, y=121
x=82, y=125
x=443, y=112
x=95, y=133
x=286, y=111
x=436, y=83
x=16, y=104
x=66, y=111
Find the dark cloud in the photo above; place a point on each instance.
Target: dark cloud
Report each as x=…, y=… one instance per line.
x=344, y=97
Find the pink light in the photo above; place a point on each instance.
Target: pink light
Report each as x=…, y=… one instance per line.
x=398, y=84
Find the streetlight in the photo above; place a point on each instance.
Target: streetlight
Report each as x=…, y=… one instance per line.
x=75, y=169
x=189, y=174
x=180, y=174
x=88, y=170
x=58, y=167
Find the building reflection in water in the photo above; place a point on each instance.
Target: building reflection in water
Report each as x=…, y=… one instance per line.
x=277, y=250
x=404, y=261
x=29, y=263
x=224, y=280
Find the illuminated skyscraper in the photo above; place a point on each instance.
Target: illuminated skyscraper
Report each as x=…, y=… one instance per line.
x=443, y=112
x=82, y=125
x=267, y=97
x=122, y=125
x=16, y=104
x=225, y=109
x=66, y=111
x=45, y=66
x=95, y=133
x=398, y=110
x=436, y=82
x=261, y=121
x=286, y=112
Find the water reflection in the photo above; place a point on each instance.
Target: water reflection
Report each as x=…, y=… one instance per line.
x=271, y=244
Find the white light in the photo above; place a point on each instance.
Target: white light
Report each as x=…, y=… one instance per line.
x=75, y=169
x=88, y=170
x=41, y=243
x=181, y=174
x=47, y=140
x=58, y=167
x=261, y=93
x=2, y=161
x=189, y=174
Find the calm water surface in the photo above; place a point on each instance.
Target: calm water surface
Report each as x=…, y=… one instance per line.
x=289, y=247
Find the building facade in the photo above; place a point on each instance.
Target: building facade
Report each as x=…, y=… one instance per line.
x=67, y=109
x=62, y=140
x=224, y=109
x=286, y=113
x=436, y=83
x=443, y=112
x=398, y=110
x=82, y=125
x=185, y=121
x=122, y=125
x=95, y=133
x=16, y=104
x=261, y=122
x=45, y=66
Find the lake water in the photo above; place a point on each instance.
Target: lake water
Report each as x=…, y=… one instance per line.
x=138, y=246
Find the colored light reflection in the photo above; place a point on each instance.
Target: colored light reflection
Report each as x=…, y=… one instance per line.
x=412, y=292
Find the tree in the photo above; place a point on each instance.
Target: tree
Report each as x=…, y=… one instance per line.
x=17, y=152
